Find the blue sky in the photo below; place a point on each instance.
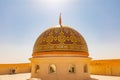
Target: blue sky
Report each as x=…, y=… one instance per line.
x=22, y=21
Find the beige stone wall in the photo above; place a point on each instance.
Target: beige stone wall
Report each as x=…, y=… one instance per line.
x=62, y=68
x=18, y=68
x=105, y=67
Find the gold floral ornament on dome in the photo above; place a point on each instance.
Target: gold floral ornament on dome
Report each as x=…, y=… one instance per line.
x=65, y=40
x=50, y=37
x=61, y=37
x=72, y=37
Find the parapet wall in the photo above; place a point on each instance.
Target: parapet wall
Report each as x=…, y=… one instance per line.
x=105, y=67
x=15, y=68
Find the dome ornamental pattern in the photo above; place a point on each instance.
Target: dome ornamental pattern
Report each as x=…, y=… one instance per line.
x=60, y=39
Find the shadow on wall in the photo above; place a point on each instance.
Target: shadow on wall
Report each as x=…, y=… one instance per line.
x=12, y=71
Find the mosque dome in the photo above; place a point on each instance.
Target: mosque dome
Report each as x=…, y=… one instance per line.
x=60, y=39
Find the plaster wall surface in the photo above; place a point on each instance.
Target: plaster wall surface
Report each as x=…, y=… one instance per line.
x=15, y=68
x=62, y=68
x=105, y=67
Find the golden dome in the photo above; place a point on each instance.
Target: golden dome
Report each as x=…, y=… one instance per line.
x=60, y=39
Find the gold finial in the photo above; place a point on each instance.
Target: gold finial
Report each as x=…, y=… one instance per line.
x=60, y=21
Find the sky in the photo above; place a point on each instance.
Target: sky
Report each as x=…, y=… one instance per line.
x=22, y=21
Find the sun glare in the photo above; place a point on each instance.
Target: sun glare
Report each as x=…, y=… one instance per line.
x=55, y=3
x=51, y=5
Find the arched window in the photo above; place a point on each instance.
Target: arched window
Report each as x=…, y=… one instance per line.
x=72, y=68
x=37, y=67
x=85, y=68
x=52, y=68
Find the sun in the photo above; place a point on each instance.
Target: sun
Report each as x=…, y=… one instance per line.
x=51, y=5
x=54, y=3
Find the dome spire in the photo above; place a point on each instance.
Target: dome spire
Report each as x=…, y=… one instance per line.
x=60, y=21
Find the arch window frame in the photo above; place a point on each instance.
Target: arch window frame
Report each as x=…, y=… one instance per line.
x=72, y=68
x=52, y=68
x=37, y=68
x=85, y=68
